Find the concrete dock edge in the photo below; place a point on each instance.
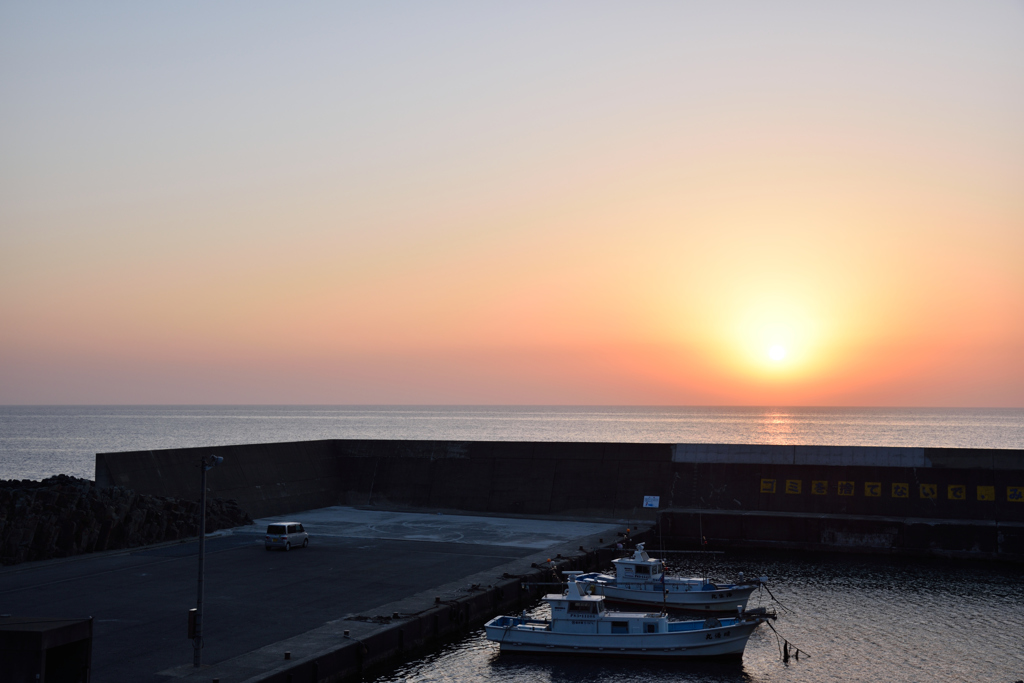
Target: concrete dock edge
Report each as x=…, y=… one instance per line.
x=424, y=620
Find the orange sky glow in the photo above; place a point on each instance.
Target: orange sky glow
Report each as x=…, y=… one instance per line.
x=588, y=204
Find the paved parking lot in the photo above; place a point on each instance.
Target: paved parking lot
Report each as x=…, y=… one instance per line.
x=356, y=560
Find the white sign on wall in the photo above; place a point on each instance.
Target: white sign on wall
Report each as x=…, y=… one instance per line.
x=651, y=501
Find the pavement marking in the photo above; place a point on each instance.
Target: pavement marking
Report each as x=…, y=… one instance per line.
x=347, y=522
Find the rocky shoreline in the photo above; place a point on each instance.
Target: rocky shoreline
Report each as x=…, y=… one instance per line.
x=63, y=516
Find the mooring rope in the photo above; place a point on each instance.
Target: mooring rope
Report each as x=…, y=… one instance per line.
x=776, y=600
x=785, y=645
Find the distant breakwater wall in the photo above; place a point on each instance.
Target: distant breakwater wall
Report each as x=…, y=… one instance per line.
x=64, y=516
x=917, y=500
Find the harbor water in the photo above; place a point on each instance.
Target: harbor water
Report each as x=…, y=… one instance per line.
x=854, y=618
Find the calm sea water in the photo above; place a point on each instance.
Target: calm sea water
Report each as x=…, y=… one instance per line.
x=860, y=619
x=40, y=441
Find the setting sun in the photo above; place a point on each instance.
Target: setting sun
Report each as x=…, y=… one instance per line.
x=592, y=210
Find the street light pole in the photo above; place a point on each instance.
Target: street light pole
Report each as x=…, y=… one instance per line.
x=205, y=464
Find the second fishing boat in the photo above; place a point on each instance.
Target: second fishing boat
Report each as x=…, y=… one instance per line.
x=641, y=580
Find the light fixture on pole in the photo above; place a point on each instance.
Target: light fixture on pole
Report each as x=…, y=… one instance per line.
x=206, y=463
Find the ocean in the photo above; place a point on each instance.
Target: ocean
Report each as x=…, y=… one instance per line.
x=858, y=618
x=41, y=441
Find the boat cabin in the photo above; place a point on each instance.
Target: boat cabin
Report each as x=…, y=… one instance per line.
x=638, y=568
x=577, y=612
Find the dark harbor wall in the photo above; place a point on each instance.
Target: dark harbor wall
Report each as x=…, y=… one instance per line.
x=953, y=502
x=913, y=500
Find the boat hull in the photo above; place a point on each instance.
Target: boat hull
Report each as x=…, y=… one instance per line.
x=675, y=596
x=724, y=642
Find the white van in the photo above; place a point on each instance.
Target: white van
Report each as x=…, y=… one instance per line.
x=286, y=535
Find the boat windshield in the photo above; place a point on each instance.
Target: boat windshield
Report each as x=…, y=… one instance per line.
x=587, y=607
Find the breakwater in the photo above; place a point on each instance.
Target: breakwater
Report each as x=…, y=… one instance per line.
x=902, y=500
x=63, y=516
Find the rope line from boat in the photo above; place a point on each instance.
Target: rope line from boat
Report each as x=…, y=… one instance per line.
x=508, y=627
x=686, y=552
x=776, y=600
x=785, y=645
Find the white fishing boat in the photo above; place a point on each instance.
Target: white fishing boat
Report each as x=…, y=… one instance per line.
x=641, y=580
x=580, y=625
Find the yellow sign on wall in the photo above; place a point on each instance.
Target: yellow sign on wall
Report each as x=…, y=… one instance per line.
x=957, y=492
x=845, y=488
x=819, y=488
x=900, y=490
x=929, y=491
x=1015, y=494
x=986, y=493
x=793, y=485
x=767, y=486
x=872, y=489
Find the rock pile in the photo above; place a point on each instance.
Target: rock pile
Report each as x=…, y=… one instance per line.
x=63, y=516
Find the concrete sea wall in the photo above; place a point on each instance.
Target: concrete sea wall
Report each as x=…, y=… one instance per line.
x=917, y=500
x=500, y=477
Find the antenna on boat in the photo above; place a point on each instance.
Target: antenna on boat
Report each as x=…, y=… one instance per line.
x=561, y=575
x=703, y=546
x=703, y=558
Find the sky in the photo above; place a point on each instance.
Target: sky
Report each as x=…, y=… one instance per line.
x=660, y=203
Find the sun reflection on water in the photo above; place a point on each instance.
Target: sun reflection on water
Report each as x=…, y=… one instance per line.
x=777, y=427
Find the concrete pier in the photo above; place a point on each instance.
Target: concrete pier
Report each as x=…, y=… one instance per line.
x=943, y=501
x=362, y=564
